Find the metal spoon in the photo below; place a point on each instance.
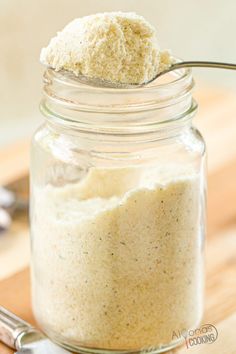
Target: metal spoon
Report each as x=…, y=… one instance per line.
x=10, y=201
x=20, y=335
x=194, y=64
x=97, y=82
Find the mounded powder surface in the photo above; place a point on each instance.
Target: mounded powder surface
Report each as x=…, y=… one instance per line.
x=114, y=46
x=117, y=260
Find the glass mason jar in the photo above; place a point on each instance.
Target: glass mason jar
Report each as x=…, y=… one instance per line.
x=117, y=215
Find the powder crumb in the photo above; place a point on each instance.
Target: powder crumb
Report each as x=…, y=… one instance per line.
x=114, y=46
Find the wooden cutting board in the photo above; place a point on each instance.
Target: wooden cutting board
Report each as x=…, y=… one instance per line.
x=216, y=121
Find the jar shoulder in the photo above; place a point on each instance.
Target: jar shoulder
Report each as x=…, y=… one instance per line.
x=41, y=134
x=193, y=141
x=59, y=144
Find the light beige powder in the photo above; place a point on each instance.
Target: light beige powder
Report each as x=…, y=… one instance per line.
x=118, y=265
x=116, y=46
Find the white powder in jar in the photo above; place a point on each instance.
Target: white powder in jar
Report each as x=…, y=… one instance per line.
x=118, y=265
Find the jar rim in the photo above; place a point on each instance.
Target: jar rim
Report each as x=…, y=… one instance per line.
x=69, y=101
x=64, y=89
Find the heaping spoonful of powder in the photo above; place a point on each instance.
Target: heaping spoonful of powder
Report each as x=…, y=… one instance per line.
x=117, y=47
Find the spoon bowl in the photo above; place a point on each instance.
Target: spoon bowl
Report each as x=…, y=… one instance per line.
x=98, y=82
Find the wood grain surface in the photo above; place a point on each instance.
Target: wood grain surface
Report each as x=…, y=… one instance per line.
x=217, y=122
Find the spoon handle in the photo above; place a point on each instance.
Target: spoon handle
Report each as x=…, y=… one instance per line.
x=206, y=64
x=11, y=327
